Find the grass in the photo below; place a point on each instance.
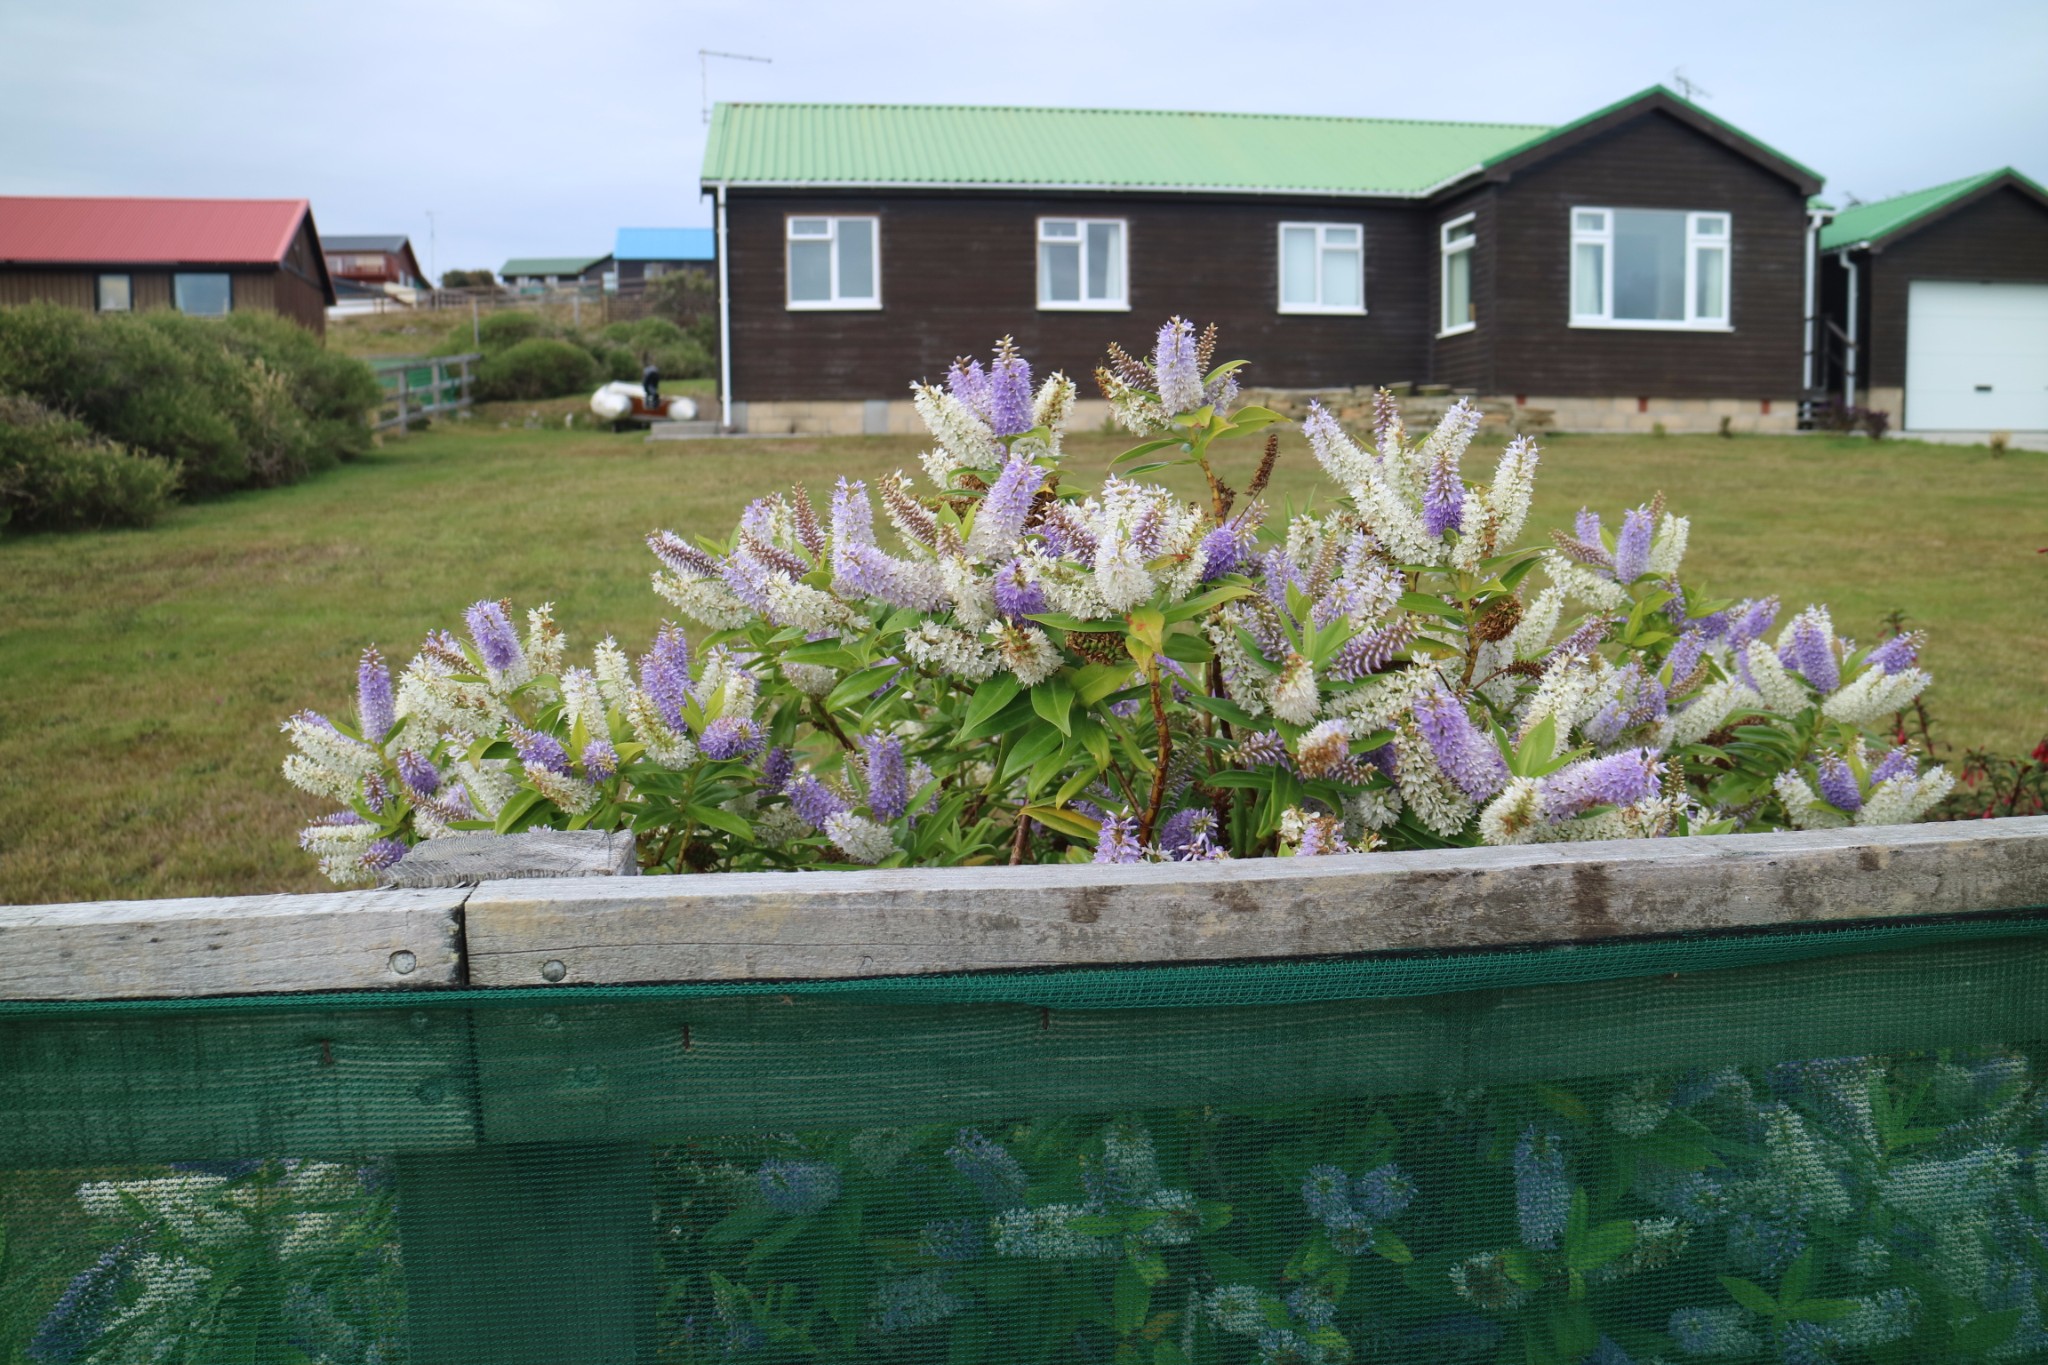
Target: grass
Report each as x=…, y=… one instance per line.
x=143, y=673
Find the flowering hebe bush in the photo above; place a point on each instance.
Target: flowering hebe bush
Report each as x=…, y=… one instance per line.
x=1021, y=667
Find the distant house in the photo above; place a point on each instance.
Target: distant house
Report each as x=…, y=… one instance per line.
x=1645, y=264
x=363, y=267
x=1937, y=305
x=205, y=257
x=529, y=271
x=645, y=254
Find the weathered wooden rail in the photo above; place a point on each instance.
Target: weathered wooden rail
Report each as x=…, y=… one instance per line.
x=517, y=1025
x=492, y=921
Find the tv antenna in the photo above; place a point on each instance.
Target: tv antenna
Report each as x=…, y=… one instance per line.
x=704, y=56
x=1689, y=89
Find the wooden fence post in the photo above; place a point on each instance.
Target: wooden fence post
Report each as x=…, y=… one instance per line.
x=403, y=390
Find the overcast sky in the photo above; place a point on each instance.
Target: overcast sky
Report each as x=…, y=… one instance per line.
x=537, y=127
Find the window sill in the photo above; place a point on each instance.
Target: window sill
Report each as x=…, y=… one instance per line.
x=1457, y=331
x=1303, y=310
x=1090, y=307
x=861, y=307
x=1597, y=326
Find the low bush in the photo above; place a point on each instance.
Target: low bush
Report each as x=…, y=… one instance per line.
x=498, y=331
x=248, y=400
x=55, y=474
x=1033, y=670
x=541, y=367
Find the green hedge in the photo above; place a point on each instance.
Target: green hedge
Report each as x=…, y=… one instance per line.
x=540, y=367
x=249, y=400
x=55, y=474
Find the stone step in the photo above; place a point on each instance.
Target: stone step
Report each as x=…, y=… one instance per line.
x=681, y=431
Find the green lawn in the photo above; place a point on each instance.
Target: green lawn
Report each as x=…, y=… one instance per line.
x=142, y=674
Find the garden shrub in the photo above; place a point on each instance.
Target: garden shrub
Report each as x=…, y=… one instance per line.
x=621, y=363
x=499, y=331
x=55, y=474
x=249, y=399
x=541, y=367
x=1034, y=670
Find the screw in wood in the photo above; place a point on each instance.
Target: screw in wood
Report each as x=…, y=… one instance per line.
x=554, y=969
x=403, y=962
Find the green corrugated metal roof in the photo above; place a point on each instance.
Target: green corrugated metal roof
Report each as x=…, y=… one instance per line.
x=891, y=144
x=1547, y=134
x=1870, y=222
x=547, y=265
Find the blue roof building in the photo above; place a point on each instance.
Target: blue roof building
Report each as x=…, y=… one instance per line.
x=649, y=253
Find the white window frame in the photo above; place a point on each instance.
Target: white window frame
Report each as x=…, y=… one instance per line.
x=1695, y=242
x=838, y=302
x=1322, y=309
x=1084, y=304
x=1446, y=248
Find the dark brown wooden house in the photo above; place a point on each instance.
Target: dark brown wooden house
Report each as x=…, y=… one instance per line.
x=1647, y=263
x=205, y=257
x=1936, y=306
x=370, y=266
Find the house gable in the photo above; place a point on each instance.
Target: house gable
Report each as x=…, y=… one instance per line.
x=1506, y=164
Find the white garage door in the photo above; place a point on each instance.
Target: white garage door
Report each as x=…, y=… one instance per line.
x=1976, y=357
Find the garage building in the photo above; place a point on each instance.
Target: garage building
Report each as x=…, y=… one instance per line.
x=1935, y=306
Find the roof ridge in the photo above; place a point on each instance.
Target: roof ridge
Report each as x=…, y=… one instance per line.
x=1105, y=109
x=1957, y=183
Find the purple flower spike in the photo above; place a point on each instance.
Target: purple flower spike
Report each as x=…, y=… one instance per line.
x=776, y=770
x=1222, y=548
x=1009, y=392
x=1897, y=654
x=1838, y=784
x=1468, y=758
x=418, y=774
x=1180, y=377
x=814, y=802
x=383, y=853
x=1632, y=546
x=1753, y=617
x=1686, y=655
x=1812, y=653
x=730, y=737
x=665, y=674
x=1016, y=596
x=1118, y=842
x=1620, y=779
x=1007, y=504
x=1182, y=828
x=969, y=384
x=600, y=760
x=1263, y=749
x=1443, y=497
x=1543, y=1192
x=1586, y=527
x=373, y=696
x=537, y=750
x=495, y=639
x=888, y=779
x=1898, y=763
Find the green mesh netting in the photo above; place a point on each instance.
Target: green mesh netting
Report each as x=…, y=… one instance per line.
x=1811, y=1146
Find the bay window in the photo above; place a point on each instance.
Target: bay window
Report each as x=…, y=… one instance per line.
x=1322, y=268
x=834, y=263
x=1081, y=264
x=1649, y=268
x=1455, y=241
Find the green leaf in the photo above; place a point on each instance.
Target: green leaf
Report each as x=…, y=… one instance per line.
x=520, y=806
x=1096, y=681
x=1572, y=1329
x=824, y=653
x=1053, y=699
x=852, y=689
x=1821, y=1310
x=1391, y=1247
x=1144, y=448
x=1431, y=606
x=1133, y=1300
x=1750, y=1295
x=1151, y=1267
x=1985, y=1333
x=989, y=698
x=1792, y=1285
x=1002, y=722
x=1071, y=823
x=719, y=819
x=1215, y=597
x=1096, y=1225
x=1060, y=622
x=1602, y=1244
x=1040, y=741
x=1562, y=1101
x=1225, y=709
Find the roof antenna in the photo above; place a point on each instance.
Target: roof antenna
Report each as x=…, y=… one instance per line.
x=1690, y=90
x=704, y=56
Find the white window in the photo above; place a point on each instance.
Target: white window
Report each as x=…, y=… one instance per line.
x=1455, y=242
x=1081, y=264
x=1322, y=268
x=835, y=263
x=1649, y=268
x=203, y=296
x=116, y=293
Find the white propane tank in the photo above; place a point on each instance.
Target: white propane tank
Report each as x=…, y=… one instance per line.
x=682, y=409
x=613, y=401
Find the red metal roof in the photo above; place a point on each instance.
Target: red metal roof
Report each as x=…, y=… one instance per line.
x=148, y=231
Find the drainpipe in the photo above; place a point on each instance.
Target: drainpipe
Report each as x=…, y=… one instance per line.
x=724, y=321
x=1814, y=219
x=1849, y=361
